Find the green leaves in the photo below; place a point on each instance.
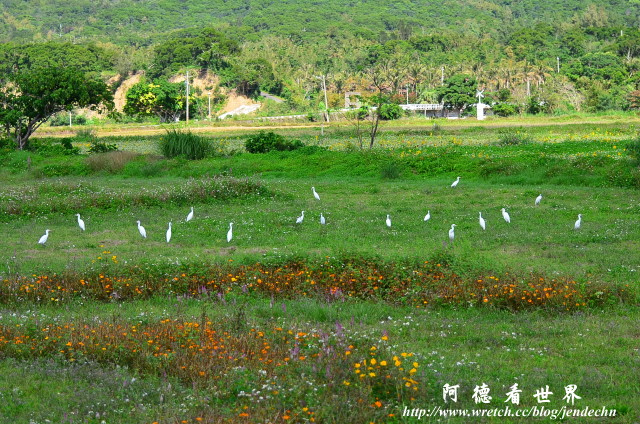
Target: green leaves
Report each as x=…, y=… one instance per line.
x=458, y=91
x=35, y=95
x=161, y=98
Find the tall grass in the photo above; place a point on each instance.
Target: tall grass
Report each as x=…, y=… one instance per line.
x=111, y=162
x=177, y=143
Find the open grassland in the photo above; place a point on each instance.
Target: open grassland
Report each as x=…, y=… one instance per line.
x=347, y=322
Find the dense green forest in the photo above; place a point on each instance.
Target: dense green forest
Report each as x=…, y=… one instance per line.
x=530, y=56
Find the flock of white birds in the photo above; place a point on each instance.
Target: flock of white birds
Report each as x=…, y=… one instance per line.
x=323, y=221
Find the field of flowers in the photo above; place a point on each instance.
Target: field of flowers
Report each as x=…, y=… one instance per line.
x=406, y=284
x=348, y=322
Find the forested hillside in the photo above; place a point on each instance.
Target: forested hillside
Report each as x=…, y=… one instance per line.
x=531, y=56
x=142, y=21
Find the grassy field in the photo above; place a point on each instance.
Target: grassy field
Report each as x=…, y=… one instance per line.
x=348, y=322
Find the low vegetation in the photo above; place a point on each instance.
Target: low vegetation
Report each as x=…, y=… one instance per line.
x=350, y=321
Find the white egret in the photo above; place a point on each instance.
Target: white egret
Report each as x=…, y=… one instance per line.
x=576, y=226
x=427, y=216
x=300, y=218
x=80, y=222
x=143, y=232
x=482, y=222
x=44, y=238
x=538, y=199
x=315, y=194
x=506, y=216
x=451, y=232
x=230, y=232
x=190, y=216
x=455, y=183
x=168, y=233
x=388, y=221
x=322, y=220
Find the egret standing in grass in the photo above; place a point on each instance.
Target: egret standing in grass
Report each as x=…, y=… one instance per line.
x=506, y=216
x=482, y=222
x=143, y=232
x=44, y=238
x=538, y=199
x=190, y=216
x=169, y=233
x=452, y=233
x=322, y=220
x=388, y=221
x=455, y=183
x=80, y=222
x=300, y=218
x=427, y=216
x=315, y=194
x=576, y=226
x=230, y=232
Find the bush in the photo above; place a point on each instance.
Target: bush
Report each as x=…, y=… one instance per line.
x=54, y=147
x=62, y=119
x=513, y=137
x=100, y=147
x=186, y=144
x=264, y=142
x=389, y=111
x=504, y=109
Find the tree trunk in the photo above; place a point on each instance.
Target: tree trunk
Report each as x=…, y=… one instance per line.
x=374, y=128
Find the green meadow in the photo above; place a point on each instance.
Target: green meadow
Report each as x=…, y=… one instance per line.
x=348, y=322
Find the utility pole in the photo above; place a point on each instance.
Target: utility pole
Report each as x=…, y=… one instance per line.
x=407, y=89
x=442, y=77
x=69, y=118
x=187, y=82
x=557, y=65
x=326, y=103
x=209, y=114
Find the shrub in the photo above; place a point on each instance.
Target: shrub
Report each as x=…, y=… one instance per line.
x=513, y=137
x=101, y=147
x=62, y=119
x=389, y=111
x=54, y=147
x=504, y=109
x=191, y=146
x=111, y=162
x=264, y=142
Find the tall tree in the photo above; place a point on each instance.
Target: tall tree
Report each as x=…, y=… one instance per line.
x=458, y=91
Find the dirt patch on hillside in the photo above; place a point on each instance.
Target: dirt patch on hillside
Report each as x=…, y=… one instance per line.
x=202, y=83
x=119, y=98
x=235, y=100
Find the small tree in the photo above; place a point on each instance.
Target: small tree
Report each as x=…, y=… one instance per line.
x=162, y=98
x=31, y=97
x=458, y=91
x=369, y=113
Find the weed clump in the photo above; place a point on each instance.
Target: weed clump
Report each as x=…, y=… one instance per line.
x=110, y=161
x=633, y=148
x=186, y=144
x=514, y=137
